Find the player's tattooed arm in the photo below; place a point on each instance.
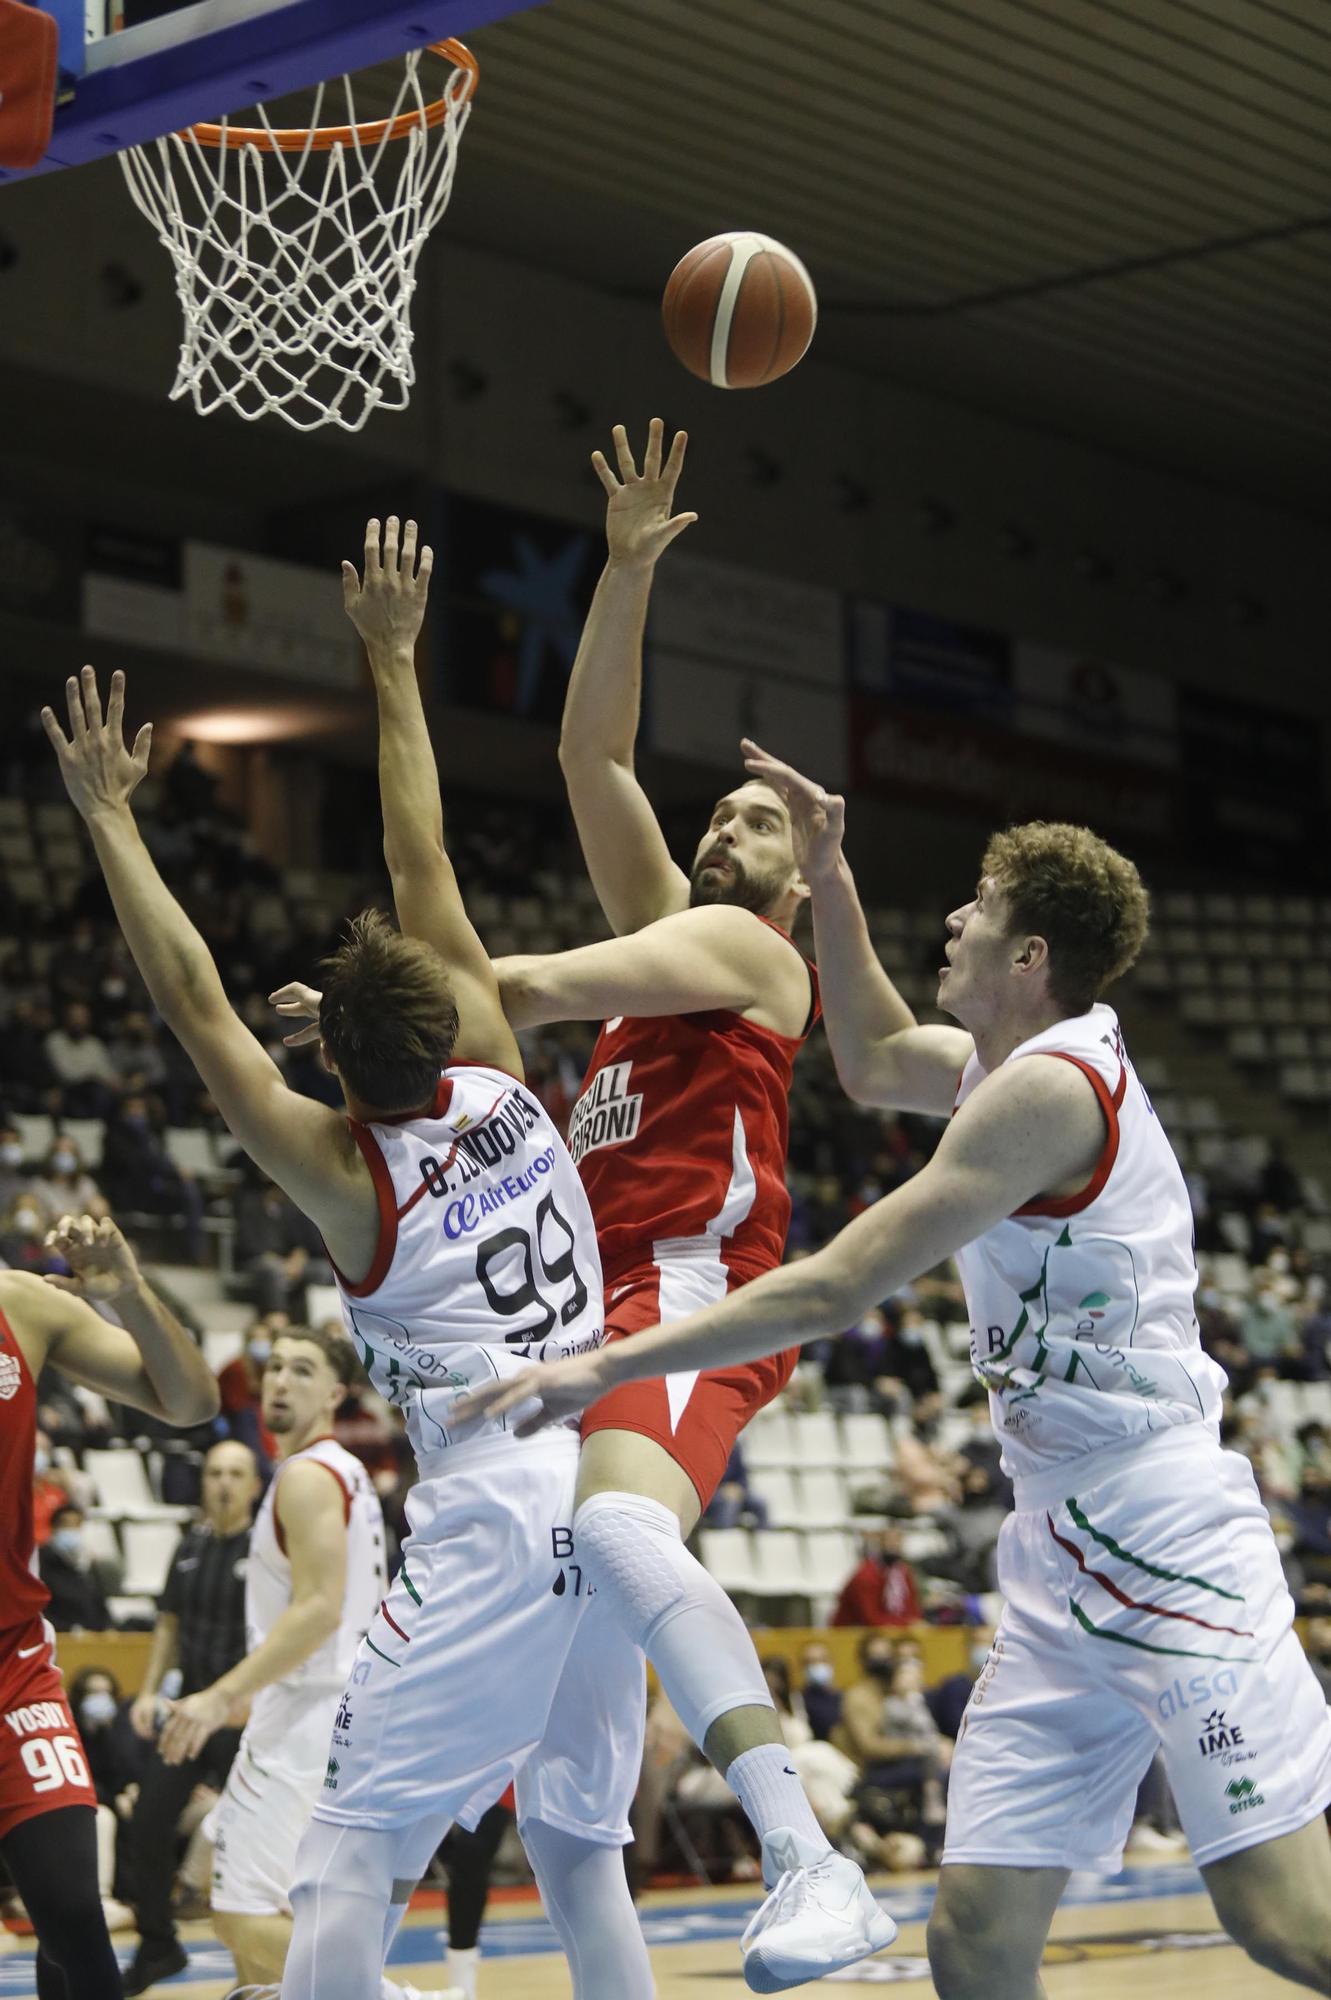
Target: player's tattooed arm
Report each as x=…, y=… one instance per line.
x=882, y=1055
x=626, y=854
x=387, y=607
x=1030, y=1129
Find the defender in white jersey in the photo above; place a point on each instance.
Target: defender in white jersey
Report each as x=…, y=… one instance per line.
x=399, y=1012
x=314, y=1581
x=1145, y=1604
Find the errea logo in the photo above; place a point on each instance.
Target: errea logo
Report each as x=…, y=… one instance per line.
x=1243, y=1794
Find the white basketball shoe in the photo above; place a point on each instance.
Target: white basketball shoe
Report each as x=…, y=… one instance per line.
x=819, y=1917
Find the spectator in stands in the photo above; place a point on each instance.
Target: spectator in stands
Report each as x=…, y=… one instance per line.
x=827, y=1774
x=50, y=1491
x=82, y=1065
x=199, y=1636
x=1278, y=1184
x=882, y=1590
x=240, y=1385
x=140, y=1176
x=78, y=1602
x=1315, y=1337
x=65, y=1187
x=27, y=1081
x=733, y=1505
x=972, y=1531
x=947, y=1699
x=23, y=1227
x=278, y=1250
x=929, y=1479
x=13, y=1171
x=1267, y=1330
x=114, y=1761
x=910, y=1376
x=887, y=1729
x=139, y=1059
x=821, y=1696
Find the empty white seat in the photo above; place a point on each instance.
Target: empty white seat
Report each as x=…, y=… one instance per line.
x=778, y=1563
x=99, y=1539
x=219, y=1348
x=821, y=1496
x=775, y=1487
x=87, y=1136
x=830, y=1554
x=866, y=1441
x=727, y=1554
x=768, y=1440
x=120, y=1481
x=322, y=1302
x=815, y=1440
x=1247, y=1045
x=149, y=1547
x=191, y=1150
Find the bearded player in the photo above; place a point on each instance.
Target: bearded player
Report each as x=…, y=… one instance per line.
x=47, y=1802
x=1144, y=1605
x=680, y=1138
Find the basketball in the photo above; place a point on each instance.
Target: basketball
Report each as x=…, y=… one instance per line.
x=739, y=310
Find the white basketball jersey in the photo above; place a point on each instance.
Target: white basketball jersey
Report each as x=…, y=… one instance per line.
x=487, y=1253
x=1081, y=1309
x=268, y=1591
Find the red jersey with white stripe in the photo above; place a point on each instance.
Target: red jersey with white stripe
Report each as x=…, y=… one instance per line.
x=23, y=1595
x=680, y=1133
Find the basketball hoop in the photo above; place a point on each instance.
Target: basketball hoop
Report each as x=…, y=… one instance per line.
x=295, y=248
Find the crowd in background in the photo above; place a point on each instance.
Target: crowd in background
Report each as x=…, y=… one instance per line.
x=79, y=1042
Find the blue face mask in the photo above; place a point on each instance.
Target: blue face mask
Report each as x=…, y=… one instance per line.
x=260, y=1350
x=67, y=1542
x=97, y=1709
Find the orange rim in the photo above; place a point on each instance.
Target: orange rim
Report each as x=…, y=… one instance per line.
x=300, y=138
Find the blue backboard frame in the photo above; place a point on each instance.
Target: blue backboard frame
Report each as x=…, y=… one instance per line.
x=219, y=56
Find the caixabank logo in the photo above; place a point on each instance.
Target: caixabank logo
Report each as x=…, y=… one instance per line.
x=1243, y=1795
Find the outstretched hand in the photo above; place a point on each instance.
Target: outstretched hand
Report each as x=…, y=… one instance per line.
x=817, y=817
x=100, y=774
x=298, y=1003
x=562, y=1388
x=102, y=1263
x=638, y=522
x=387, y=608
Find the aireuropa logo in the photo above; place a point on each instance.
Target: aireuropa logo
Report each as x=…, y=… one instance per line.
x=1243, y=1794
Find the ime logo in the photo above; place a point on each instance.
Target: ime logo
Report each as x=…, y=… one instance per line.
x=1218, y=1735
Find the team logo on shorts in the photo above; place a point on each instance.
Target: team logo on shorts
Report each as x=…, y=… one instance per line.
x=11, y=1377
x=330, y=1775
x=1222, y=1742
x=1243, y=1795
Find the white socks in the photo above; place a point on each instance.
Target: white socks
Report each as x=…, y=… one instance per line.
x=460, y=1969
x=764, y=1782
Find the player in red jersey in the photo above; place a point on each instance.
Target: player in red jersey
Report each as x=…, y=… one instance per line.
x=47, y=1803
x=680, y=1136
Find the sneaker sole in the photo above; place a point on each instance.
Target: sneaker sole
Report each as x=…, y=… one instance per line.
x=774, y=1975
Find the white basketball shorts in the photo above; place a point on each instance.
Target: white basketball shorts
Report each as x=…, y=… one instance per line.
x=265, y=1806
x=1145, y=1609
x=472, y=1675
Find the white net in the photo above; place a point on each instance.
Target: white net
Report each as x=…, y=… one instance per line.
x=295, y=269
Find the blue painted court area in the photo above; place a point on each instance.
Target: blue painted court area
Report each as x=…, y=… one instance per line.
x=715, y=1922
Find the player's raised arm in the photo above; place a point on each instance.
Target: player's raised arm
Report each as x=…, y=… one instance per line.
x=149, y=1361
x=716, y=957
x=1029, y=1129
x=627, y=858
x=304, y=1146
x=387, y=606
x=882, y=1055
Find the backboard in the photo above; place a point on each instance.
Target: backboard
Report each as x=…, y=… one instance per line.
x=121, y=87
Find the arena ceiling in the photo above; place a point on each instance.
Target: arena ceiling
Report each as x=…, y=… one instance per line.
x=1111, y=218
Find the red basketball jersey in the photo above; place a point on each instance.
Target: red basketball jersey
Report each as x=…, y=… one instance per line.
x=681, y=1130
x=23, y=1595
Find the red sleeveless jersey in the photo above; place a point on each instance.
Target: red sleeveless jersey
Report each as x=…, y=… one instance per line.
x=680, y=1131
x=23, y=1595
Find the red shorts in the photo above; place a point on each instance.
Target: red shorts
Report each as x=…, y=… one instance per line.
x=695, y=1417
x=42, y=1765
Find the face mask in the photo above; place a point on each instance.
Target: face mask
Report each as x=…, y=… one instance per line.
x=821, y=1672
x=68, y=1543
x=64, y=1163
x=910, y=1336
x=260, y=1351
x=1208, y=1296
x=11, y=1154
x=40, y=1460
x=97, y=1708
x=28, y=1222
x=134, y=1121
x=882, y=1670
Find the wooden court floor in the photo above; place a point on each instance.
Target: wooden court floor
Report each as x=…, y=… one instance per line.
x=1150, y=1932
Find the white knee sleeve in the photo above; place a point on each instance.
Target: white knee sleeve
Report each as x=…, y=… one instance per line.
x=631, y=1550
x=348, y=1898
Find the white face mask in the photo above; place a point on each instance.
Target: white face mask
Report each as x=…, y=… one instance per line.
x=821, y=1672
x=11, y=1154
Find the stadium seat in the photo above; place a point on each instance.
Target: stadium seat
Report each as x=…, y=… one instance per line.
x=322, y=1302
x=120, y=1480
x=191, y=1149
x=219, y=1348
x=866, y=1442
x=821, y=1497
x=778, y=1563
x=727, y=1554
x=768, y=1439
x=149, y=1547
x=815, y=1440
x=775, y=1487
x=100, y=1541
x=36, y=1131
x=87, y=1136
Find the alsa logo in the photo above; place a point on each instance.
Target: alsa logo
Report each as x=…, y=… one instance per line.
x=1199, y=1691
x=607, y=1113
x=1243, y=1794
